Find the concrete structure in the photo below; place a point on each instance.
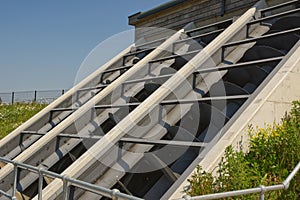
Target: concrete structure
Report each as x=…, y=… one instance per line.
x=143, y=121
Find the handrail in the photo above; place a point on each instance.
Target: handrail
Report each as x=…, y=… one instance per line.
x=161, y=142
x=255, y=39
x=264, y=18
x=151, y=42
x=206, y=70
x=174, y=56
x=111, y=193
x=140, y=51
x=210, y=25
x=261, y=189
x=235, y=43
x=274, y=16
x=199, y=36
x=277, y=6
x=162, y=103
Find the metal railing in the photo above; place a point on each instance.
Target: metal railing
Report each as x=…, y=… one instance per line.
x=261, y=190
x=263, y=11
x=67, y=183
x=40, y=96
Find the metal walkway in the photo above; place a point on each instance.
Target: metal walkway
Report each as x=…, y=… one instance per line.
x=138, y=122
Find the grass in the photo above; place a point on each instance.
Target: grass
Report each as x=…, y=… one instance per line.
x=12, y=116
x=273, y=153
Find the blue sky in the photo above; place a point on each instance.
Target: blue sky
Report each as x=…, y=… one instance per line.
x=43, y=43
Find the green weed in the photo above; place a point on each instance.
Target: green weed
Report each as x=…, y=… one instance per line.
x=273, y=154
x=12, y=116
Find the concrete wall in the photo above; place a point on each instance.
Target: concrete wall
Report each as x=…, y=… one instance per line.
x=272, y=100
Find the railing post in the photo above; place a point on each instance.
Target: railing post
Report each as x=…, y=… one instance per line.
x=65, y=188
x=12, y=97
x=262, y=196
x=35, y=96
x=222, y=54
x=114, y=193
x=194, y=80
x=247, y=30
x=14, y=189
x=40, y=185
x=262, y=193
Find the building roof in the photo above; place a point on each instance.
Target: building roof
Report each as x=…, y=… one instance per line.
x=160, y=8
x=140, y=15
